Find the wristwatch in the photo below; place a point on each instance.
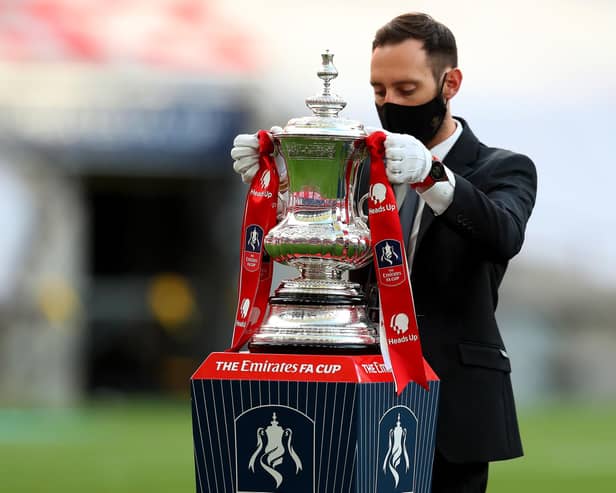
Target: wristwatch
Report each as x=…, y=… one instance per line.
x=437, y=173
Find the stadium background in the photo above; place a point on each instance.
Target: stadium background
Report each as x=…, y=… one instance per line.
x=120, y=216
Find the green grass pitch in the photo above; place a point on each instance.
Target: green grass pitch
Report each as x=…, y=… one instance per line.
x=146, y=446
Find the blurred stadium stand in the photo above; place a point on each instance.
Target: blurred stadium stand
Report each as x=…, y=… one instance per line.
x=130, y=109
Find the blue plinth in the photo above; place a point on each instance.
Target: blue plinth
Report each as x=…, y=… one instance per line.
x=310, y=424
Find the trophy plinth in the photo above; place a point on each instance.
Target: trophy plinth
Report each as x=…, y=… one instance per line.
x=321, y=234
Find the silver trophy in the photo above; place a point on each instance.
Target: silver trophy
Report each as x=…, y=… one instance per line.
x=322, y=234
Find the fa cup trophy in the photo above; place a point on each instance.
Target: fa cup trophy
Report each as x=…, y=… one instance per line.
x=323, y=234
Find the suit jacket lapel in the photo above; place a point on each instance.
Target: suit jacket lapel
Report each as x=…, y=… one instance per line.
x=464, y=152
x=459, y=159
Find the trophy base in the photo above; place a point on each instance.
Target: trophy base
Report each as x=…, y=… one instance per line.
x=341, y=349
x=317, y=317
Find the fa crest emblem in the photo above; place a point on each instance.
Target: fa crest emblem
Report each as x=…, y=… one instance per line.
x=275, y=451
x=254, y=236
x=253, y=244
x=396, y=454
x=390, y=260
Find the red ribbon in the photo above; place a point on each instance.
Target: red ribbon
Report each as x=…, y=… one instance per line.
x=401, y=341
x=256, y=266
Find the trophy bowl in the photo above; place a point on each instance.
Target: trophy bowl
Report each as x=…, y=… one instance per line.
x=322, y=234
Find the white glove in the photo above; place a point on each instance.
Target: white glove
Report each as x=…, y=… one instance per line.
x=245, y=154
x=407, y=159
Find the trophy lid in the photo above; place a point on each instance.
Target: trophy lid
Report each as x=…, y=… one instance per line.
x=325, y=108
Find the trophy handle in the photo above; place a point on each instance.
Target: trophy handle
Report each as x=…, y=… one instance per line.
x=360, y=207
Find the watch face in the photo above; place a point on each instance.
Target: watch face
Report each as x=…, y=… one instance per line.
x=438, y=171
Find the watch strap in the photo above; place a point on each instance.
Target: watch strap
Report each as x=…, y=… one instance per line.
x=437, y=173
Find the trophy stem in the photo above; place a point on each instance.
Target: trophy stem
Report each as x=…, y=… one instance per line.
x=317, y=316
x=320, y=272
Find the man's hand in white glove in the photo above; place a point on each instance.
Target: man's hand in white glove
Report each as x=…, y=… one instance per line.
x=245, y=154
x=407, y=160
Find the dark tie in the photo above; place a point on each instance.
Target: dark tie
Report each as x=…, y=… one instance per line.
x=407, y=214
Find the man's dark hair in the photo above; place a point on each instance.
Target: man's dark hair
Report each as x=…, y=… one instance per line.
x=438, y=41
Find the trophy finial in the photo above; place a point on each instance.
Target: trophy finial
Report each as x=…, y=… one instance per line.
x=326, y=104
x=328, y=71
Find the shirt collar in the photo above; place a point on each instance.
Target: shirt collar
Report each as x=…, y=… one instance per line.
x=441, y=150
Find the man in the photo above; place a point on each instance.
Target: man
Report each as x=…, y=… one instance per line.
x=463, y=216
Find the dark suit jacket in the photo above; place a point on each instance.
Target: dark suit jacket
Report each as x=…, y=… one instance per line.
x=461, y=257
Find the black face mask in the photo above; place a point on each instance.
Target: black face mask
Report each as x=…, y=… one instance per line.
x=422, y=121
